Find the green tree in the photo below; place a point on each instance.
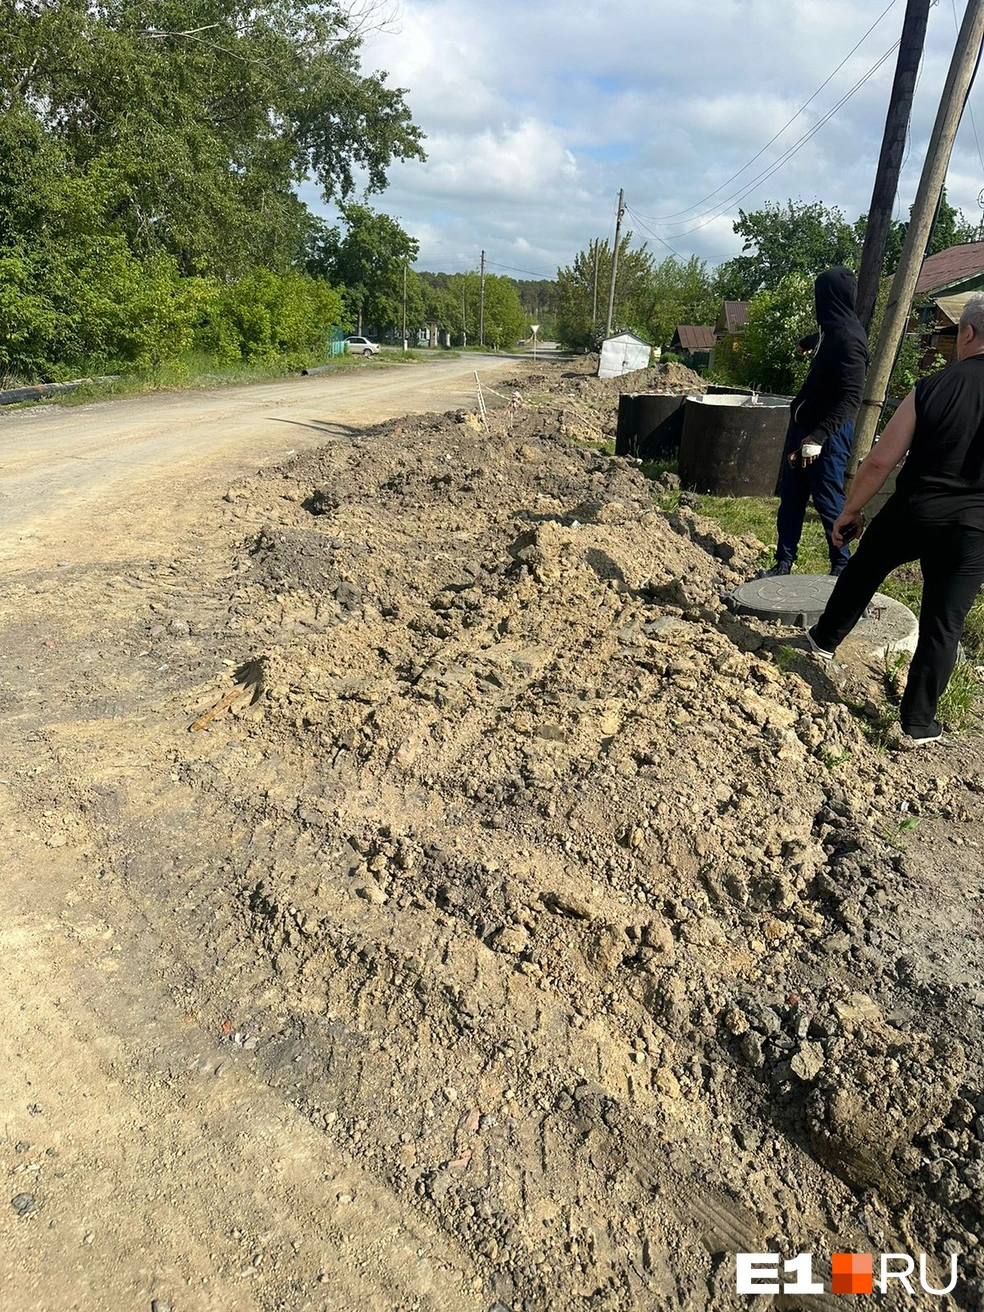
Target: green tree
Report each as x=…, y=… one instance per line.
x=576, y=293
x=777, y=321
x=368, y=262
x=196, y=119
x=949, y=229
x=765, y=355
x=784, y=239
x=505, y=322
x=678, y=292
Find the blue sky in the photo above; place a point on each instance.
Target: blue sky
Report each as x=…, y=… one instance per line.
x=536, y=114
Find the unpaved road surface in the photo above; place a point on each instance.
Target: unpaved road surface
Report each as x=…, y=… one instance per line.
x=520, y=931
x=65, y=471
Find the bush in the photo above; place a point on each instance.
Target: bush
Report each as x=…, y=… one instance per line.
x=267, y=315
x=90, y=306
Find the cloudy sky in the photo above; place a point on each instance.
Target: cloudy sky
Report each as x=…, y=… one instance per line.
x=537, y=111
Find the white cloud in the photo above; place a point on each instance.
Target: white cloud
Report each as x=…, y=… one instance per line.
x=536, y=114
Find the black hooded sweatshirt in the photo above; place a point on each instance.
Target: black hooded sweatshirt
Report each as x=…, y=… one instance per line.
x=833, y=389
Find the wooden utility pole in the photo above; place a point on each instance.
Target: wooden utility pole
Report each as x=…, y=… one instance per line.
x=890, y=159
x=897, y=310
x=611, y=280
x=481, y=305
x=464, y=333
x=594, y=293
x=404, y=305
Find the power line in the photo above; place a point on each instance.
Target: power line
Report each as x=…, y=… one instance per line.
x=642, y=225
x=794, y=149
x=544, y=277
x=973, y=122
x=680, y=213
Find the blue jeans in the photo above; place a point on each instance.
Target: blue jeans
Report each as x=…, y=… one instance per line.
x=823, y=481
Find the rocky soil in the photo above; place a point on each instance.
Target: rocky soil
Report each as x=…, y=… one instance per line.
x=581, y=915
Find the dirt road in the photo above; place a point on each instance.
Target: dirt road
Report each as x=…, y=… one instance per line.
x=62, y=469
x=527, y=932
x=141, y=1163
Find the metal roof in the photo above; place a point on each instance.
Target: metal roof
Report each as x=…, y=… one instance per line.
x=953, y=306
x=954, y=265
x=734, y=315
x=695, y=337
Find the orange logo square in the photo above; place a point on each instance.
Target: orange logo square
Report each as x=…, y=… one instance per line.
x=852, y=1273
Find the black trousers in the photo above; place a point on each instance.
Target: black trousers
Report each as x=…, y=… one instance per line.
x=951, y=558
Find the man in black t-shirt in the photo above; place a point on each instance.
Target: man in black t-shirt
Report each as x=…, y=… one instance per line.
x=936, y=516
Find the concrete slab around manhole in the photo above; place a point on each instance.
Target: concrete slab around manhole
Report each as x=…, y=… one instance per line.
x=800, y=599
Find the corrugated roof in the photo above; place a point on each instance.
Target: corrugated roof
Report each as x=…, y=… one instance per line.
x=696, y=337
x=735, y=315
x=626, y=337
x=952, y=265
x=953, y=306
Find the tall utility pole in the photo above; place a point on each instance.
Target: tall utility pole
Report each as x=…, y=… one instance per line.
x=958, y=81
x=611, y=281
x=404, y=305
x=594, y=293
x=464, y=334
x=481, y=305
x=890, y=159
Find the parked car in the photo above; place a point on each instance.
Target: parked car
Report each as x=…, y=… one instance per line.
x=361, y=346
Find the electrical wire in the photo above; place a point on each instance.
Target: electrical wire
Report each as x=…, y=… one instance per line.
x=543, y=277
x=788, y=154
x=970, y=109
x=666, y=218
x=632, y=214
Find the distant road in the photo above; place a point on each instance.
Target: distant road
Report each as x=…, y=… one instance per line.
x=121, y=477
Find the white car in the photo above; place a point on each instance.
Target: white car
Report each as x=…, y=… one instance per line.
x=361, y=346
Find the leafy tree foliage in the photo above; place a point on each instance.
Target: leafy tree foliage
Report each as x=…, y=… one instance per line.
x=764, y=355
x=149, y=158
x=786, y=239
x=679, y=292
x=368, y=260
x=808, y=238
x=651, y=298
x=949, y=229
x=198, y=117
x=505, y=322
x=452, y=302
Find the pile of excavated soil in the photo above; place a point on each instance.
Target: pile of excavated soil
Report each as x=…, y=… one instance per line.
x=572, y=910
x=669, y=377
x=587, y=406
x=565, y=900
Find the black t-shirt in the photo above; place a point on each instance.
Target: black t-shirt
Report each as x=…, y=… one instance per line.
x=942, y=479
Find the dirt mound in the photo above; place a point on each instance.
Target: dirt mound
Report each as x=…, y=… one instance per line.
x=586, y=406
x=568, y=877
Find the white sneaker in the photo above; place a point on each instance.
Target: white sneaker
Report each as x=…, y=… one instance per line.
x=822, y=652
x=926, y=736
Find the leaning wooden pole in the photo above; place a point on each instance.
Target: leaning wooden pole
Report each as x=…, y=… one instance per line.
x=890, y=158
x=897, y=310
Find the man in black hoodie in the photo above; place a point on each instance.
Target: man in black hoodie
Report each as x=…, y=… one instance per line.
x=821, y=426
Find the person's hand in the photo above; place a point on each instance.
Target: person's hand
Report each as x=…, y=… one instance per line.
x=847, y=526
x=809, y=451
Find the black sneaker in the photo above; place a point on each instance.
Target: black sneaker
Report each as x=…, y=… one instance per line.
x=778, y=571
x=933, y=734
x=824, y=652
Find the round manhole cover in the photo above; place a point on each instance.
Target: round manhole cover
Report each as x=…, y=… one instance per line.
x=800, y=599
x=790, y=599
